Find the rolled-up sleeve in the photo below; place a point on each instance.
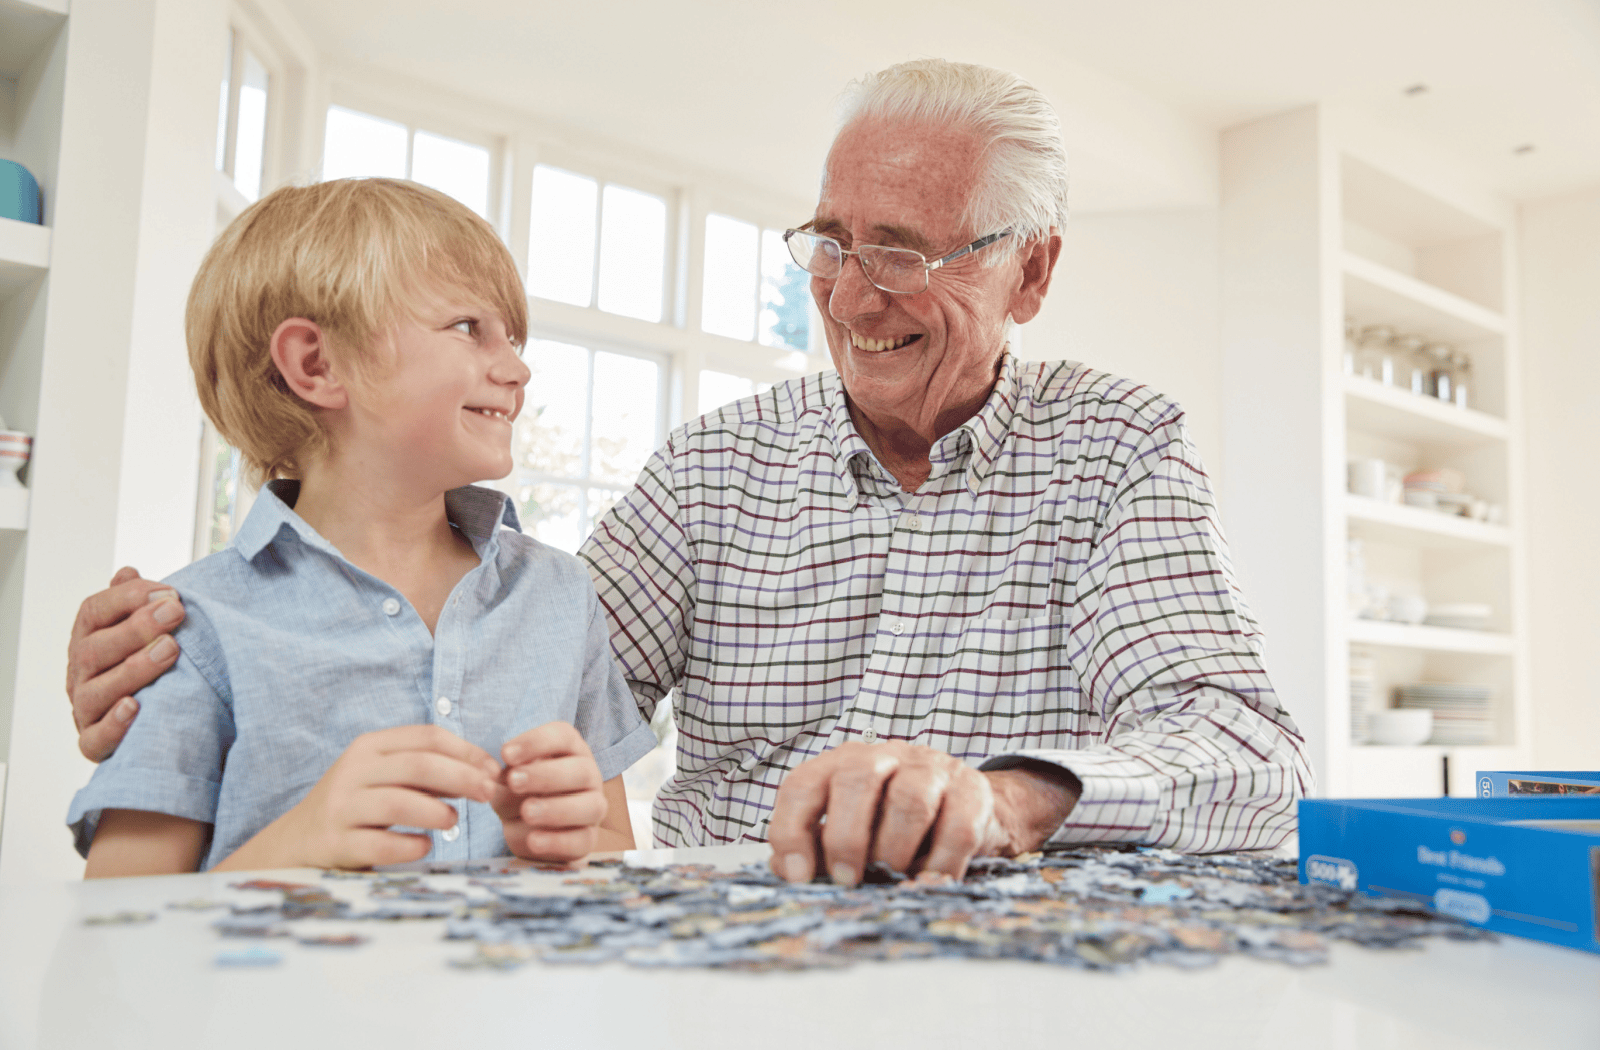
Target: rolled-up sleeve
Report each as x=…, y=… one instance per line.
x=1198, y=754
x=171, y=760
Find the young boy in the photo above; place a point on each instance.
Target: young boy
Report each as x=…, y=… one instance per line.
x=372, y=636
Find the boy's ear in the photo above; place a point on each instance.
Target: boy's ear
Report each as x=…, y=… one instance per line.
x=300, y=351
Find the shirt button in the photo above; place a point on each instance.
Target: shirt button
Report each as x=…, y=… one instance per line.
x=913, y=523
x=870, y=735
x=391, y=606
x=899, y=627
x=442, y=705
x=451, y=833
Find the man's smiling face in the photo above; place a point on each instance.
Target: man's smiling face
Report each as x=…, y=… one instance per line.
x=913, y=360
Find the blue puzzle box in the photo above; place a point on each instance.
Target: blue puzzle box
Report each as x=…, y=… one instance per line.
x=1526, y=866
x=1496, y=784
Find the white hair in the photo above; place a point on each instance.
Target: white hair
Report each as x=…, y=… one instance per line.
x=1023, y=184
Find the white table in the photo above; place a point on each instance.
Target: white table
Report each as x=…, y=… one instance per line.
x=64, y=984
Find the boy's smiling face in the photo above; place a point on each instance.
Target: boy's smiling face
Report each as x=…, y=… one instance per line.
x=440, y=408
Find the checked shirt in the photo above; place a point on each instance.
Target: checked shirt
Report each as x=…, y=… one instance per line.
x=1058, y=589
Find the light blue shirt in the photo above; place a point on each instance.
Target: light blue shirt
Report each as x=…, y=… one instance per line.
x=289, y=653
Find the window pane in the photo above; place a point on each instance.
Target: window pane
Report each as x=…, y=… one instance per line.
x=728, y=306
x=454, y=167
x=561, y=238
x=550, y=431
x=250, y=147
x=785, y=320
x=719, y=388
x=633, y=244
x=359, y=144
x=222, y=109
x=624, y=416
x=549, y=513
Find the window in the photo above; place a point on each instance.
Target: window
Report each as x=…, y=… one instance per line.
x=752, y=289
x=597, y=244
x=590, y=419
x=360, y=144
x=242, y=117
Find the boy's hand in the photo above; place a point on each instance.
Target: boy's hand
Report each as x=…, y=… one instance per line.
x=552, y=803
x=393, y=776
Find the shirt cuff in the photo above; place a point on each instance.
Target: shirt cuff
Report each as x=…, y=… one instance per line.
x=625, y=752
x=1119, y=800
x=153, y=791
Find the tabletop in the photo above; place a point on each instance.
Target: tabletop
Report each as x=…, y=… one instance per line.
x=67, y=984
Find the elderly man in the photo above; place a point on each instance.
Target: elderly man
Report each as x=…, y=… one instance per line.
x=941, y=603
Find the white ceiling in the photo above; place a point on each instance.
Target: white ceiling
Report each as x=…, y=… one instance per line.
x=745, y=87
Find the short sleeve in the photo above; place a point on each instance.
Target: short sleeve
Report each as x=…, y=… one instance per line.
x=607, y=717
x=171, y=760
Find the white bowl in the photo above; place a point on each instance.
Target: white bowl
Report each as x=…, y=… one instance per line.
x=1401, y=728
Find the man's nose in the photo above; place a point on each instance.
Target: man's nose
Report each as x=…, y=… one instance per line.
x=853, y=295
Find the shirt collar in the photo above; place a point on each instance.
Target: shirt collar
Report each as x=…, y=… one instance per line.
x=984, y=435
x=477, y=511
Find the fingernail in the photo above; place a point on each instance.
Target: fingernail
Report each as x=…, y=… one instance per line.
x=162, y=649
x=519, y=780
x=160, y=596
x=796, y=868
x=843, y=874
x=168, y=612
x=126, y=708
x=491, y=768
x=513, y=754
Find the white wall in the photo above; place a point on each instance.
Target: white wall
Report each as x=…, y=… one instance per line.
x=1561, y=351
x=1136, y=294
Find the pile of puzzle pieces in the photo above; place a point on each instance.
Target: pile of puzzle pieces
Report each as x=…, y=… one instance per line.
x=1102, y=908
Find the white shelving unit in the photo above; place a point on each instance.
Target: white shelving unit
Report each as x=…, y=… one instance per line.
x=32, y=60
x=1325, y=217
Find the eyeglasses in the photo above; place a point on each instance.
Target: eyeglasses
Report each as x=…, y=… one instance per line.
x=899, y=271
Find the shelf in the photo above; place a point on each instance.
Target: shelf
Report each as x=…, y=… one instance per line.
x=1398, y=523
x=24, y=253
x=13, y=509
x=26, y=26
x=1390, y=412
x=1375, y=294
x=1432, y=639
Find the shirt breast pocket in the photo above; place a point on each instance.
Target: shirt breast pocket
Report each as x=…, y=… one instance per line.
x=1008, y=685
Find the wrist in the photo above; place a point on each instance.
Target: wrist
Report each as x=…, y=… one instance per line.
x=1031, y=801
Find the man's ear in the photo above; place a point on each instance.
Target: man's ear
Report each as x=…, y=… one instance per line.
x=1038, y=264
x=300, y=351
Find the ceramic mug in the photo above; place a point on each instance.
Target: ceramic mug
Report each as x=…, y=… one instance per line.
x=15, y=448
x=19, y=193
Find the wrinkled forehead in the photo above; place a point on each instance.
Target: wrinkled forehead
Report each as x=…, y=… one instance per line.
x=913, y=181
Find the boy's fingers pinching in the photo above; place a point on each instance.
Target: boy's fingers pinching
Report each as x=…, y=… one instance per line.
x=555, y=776
x=551, y=740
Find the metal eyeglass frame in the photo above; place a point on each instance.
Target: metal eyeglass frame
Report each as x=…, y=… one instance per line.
x=977, y=245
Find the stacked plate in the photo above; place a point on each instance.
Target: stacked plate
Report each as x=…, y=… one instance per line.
x=1363, y=688
x=1460, y=712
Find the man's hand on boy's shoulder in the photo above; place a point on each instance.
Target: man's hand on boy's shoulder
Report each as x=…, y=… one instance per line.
x=550, y=802
x=121, y=643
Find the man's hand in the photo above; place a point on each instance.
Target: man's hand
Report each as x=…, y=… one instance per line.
x=551, y=803
x=392, y=776
x=912, y=808
x=121, y=643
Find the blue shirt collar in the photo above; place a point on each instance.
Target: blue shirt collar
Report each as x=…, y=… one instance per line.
x=478, y=512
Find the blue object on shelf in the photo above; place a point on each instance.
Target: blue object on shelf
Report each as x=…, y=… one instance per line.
x=19, y=192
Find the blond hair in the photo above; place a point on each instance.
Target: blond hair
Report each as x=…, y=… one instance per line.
x=1023, y=185
x=349, y=255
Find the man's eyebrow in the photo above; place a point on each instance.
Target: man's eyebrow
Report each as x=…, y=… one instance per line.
x=905, y=235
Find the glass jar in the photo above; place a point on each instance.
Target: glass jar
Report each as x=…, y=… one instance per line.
x=1373, y=354
x=1350, y=345
x=1411, y=364
x=1441, y=371
x=1463, y=378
